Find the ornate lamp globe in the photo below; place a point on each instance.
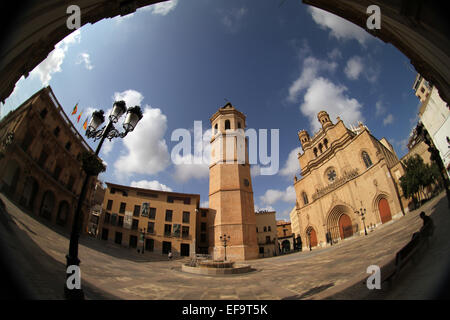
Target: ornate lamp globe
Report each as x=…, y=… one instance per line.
x=119, y=108
x=133, y=116
x=97, y=119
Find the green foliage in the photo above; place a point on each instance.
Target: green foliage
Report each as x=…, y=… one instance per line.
x=418, y=175
x=92, y=165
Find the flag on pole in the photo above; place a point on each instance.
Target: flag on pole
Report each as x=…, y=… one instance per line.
x=79, y=116
x=75, y=109
x=85, y=123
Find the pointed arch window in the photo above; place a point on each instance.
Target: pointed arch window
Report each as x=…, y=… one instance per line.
x=315, y=152
x=227, y=125
x=366, y=159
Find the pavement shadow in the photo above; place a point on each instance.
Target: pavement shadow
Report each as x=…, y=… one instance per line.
x=29, y=272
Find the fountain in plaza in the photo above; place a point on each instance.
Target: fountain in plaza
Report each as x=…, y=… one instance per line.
x=204, y=265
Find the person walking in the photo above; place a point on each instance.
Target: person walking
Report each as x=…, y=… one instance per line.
x=170, y=255
x=428, y=225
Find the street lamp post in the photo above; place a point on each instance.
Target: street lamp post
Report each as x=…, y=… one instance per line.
x=143, y=239
x=133, y=115
x=362, y=213
x=225, y=239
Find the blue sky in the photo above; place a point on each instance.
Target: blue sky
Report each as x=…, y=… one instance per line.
x=279, y=63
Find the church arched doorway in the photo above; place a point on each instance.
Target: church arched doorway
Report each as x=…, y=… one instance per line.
x=286, y=246
x=345, y=226
x=29, y=193
x=385, y=210
x=311, y=237
x=63, y=213
x=11, y=177
x=48, y=202
x=339, y=223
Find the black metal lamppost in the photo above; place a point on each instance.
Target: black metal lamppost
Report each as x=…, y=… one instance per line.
x=225, y=239
x=93, y=167
x=143, y=239
x=362, y=213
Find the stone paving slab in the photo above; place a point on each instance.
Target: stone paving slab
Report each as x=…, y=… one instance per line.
x=111, y=272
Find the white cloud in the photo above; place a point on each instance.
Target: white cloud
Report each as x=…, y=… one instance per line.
x=131, y=97
x=190, y=166
x=311, y=68
x=54, y=60
x=86, y=60
x=339, y=27
x=232, y=18
x=255, y=170
x=273, y=196
x=325, y=95
x=153, y=185
x=164, y=8
x=291, y=167
x=335, y=54
x=263, y=208
x=107, y=147
x=380, y=109
x=388, y=119
x=147, y=151
x=354, y=68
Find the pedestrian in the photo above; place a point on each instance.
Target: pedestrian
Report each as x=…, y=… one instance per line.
x=170, y=255
x=428, y=225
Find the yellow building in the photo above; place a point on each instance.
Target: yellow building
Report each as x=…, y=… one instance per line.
x=230, y=188
x=40, y=160
x=150, y=220
x=266, y=232
x=343, y=171
x=286, y=238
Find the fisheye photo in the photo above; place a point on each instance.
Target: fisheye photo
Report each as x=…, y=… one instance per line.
x=223, y=159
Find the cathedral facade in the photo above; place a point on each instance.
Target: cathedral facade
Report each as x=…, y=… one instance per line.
x=347, y=187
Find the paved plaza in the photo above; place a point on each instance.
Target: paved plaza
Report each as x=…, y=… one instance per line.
x=337, y=272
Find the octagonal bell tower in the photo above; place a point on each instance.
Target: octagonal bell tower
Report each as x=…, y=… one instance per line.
x=230, y=188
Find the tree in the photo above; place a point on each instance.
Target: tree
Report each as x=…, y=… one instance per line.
x=418, y=176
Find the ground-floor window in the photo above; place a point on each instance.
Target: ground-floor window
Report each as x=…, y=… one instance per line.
x=184, y=249
x=118, y=238
x=261, y=250
x=105, y=234
x=133, y=241
x=149, y=244
x=167, y=246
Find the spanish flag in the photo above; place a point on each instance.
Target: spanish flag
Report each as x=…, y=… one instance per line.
x=79, y=116
x=75, y=109
x=85, y=123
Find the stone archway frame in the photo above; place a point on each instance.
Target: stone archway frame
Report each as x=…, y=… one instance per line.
x=314, y=227
x=34, y=192
x=380, y=195
x=353, y=218
x=334, y=214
